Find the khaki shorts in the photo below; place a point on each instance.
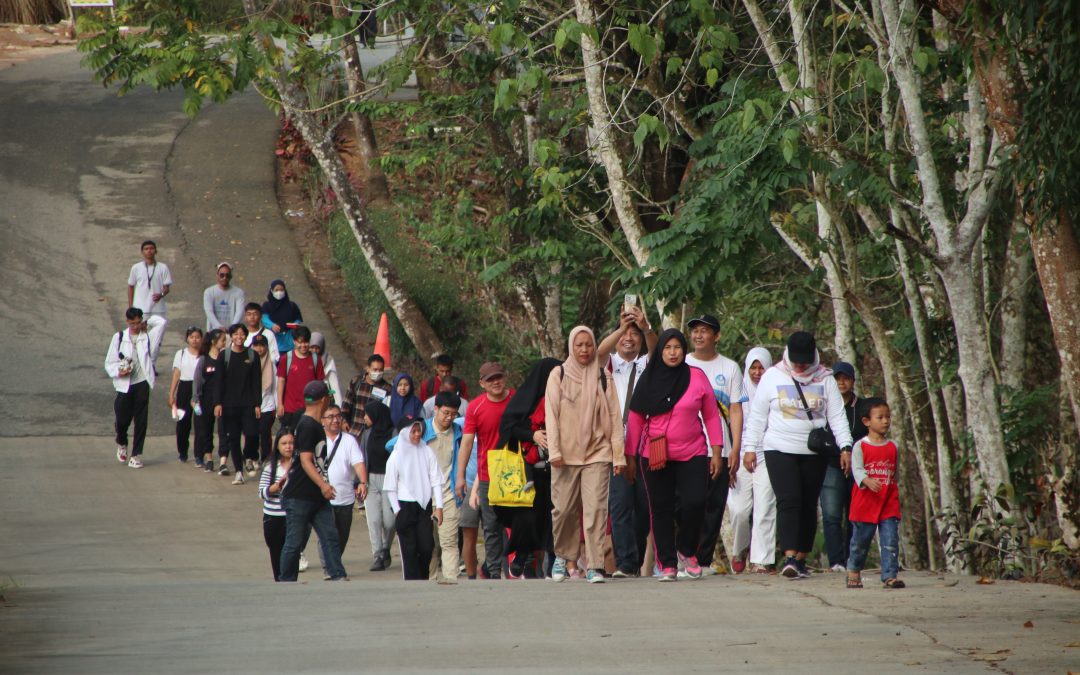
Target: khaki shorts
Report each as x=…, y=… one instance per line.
x=470, y=517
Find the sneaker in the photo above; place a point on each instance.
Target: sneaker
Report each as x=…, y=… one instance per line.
x=709, y=570
x=208, y=467
x=239, y=479
x=134, y=463
x=738, y=564
x=558, y=570
x=199, y=464
x=182, y=459
x=622, y=574
x=668, y=574
x=804, y=571
x=594, y=576
x=224, y=470
x=121, y=453
x=791, y=568
x=838, y=568
x=303, y=562
x=574, y=574
x=249, y=466
x=691, y=569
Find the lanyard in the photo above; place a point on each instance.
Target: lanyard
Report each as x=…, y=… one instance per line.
x=150, y=275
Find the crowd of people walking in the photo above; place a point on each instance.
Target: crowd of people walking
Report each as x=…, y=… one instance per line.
x=619, y=461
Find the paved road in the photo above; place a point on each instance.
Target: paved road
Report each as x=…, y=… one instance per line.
x=84, y=178
x=108, y=570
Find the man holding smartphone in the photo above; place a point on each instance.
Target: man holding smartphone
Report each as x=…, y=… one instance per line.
x=130, y=363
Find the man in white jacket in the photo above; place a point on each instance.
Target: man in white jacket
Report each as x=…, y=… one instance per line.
x=130, y=363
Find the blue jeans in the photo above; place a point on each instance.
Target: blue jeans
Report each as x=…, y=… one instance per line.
x=629, y=512
x=835, y=501
x=888, y=545
x=300, y=516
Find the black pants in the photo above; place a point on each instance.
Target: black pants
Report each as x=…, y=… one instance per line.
x=274, y=535
x=204, y=432
x=266, y=435
x=688, y=483
x=796, y=480
x=628, y=508
x=128, y=406
x=290, y=419
x=237, y=422
x=715, y=503
x=416, y=539
x=183, y=427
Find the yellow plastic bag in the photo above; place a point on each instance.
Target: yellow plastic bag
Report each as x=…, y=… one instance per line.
x=506, y=479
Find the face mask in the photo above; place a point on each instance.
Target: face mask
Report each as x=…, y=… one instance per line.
x=279, y=295
x=375, y=374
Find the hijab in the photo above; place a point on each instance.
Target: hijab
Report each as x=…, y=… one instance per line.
x=379, y=434
x=412, y=468
x=761, y=355
x=404, y=407
x=581, y=384
x=661, y=386
x=814, y=374
x=281, y=311
x=515, y=424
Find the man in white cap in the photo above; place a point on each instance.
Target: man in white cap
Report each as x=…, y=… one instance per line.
x=223, y=302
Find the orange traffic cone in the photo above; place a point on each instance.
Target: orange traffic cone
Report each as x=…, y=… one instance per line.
x=382, y=340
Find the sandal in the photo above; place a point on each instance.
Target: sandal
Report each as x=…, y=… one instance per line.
x=894, y=583
x=854, y=582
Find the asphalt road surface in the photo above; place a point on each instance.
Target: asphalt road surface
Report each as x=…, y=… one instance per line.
x=105, y=569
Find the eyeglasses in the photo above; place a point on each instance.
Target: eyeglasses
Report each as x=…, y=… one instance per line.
x=224, y=275
x=332, y=416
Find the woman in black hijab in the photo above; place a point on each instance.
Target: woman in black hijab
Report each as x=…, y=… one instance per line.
x=522, y=429
x=380, y=517
x=278, y=312
x=664, y=430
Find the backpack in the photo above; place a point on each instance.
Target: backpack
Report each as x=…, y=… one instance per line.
x=288, y=362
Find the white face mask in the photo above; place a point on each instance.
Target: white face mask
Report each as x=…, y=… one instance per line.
x=375, y=374
x=279, y=295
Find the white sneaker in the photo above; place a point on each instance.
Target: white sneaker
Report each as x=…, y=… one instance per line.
x=121, y=453
x=239, y=480
x=303, y=562
x=837, y=568
x=134, y=463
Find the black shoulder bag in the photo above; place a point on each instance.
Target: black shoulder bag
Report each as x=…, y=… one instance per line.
x=821, y=439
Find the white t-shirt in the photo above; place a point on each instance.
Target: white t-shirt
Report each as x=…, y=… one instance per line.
x=184, y=361
x=726, y=379
x=429, y=408
x=340, y=473
x=147, y=280
x=620, y=374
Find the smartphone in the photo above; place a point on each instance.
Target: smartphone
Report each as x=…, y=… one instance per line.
x=630, y=300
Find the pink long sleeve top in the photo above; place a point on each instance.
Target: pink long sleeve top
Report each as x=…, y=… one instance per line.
x=686, y=437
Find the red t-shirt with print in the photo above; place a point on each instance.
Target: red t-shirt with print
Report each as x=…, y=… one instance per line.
x=296, y=377
x=483, y=418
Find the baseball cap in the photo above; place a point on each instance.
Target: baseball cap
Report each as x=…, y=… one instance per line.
x=491, y=370
x=224, y=264
x=259, y=340
x=704, y=320
x=316, y=390
x=844, y=368
x=802, y=347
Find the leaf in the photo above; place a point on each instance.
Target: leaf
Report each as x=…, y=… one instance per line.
x=748, y=115
x=641, y=41
x=1029, y=624
x=673, y=66
x=984, y=581
x=922, y=60
x=560, y=39
x=711, y=76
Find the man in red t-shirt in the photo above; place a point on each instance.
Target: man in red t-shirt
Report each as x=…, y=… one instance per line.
x=482, y=423
x=294, y=370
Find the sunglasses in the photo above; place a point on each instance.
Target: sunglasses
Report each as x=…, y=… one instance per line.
x=224, y=275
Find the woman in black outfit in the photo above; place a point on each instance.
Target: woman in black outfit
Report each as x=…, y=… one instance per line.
x=208, y=373
x=522, y=429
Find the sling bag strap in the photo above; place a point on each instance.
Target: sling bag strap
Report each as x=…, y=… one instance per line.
x=806, y=406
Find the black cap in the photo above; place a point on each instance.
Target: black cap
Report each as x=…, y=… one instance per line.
x=704, y=320
x=801, y=347
x=843, y=368
x=316, y=390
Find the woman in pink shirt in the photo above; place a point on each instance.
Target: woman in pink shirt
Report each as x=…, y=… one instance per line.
x=670, y=402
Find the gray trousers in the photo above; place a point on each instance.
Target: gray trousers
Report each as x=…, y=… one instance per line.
x=494, y=536
x=380, y=517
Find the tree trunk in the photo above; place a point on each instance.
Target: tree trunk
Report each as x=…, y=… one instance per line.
x=1014, y=301
x=376, y=188
x=416, y=325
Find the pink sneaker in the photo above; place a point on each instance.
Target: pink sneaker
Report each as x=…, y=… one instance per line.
x=575, y=574
x=691, y=569
x=668, y=574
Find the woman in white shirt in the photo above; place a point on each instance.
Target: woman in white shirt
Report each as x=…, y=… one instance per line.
x=180, y=392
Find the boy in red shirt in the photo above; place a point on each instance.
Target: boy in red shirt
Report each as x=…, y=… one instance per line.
x=875, y=499
x=294, y=370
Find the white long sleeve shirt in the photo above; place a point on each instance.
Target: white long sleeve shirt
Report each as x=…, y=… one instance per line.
x=142, y=349
x=223, y=306
x=412, y=475
x=778, y=420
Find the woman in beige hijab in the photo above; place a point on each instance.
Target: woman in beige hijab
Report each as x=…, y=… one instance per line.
x=585, y=442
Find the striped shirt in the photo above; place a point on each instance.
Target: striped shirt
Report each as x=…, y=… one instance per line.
x=271, y=503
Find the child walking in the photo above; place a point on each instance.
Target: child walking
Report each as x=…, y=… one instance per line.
x=413, y=481
x=875, y=499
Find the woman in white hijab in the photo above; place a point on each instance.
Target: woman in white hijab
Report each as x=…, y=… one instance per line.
x=585, y=444
x=413, y=481
x=763, y=533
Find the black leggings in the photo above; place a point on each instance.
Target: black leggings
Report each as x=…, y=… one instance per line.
x=685, y=483
x=183, y=427
x=237, y=422
x=274, y=535
x=204, y=432
x=796, y=480
x=266, y=435
x=416, y=538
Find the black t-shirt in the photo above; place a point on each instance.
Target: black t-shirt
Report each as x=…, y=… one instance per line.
x=310, y=437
